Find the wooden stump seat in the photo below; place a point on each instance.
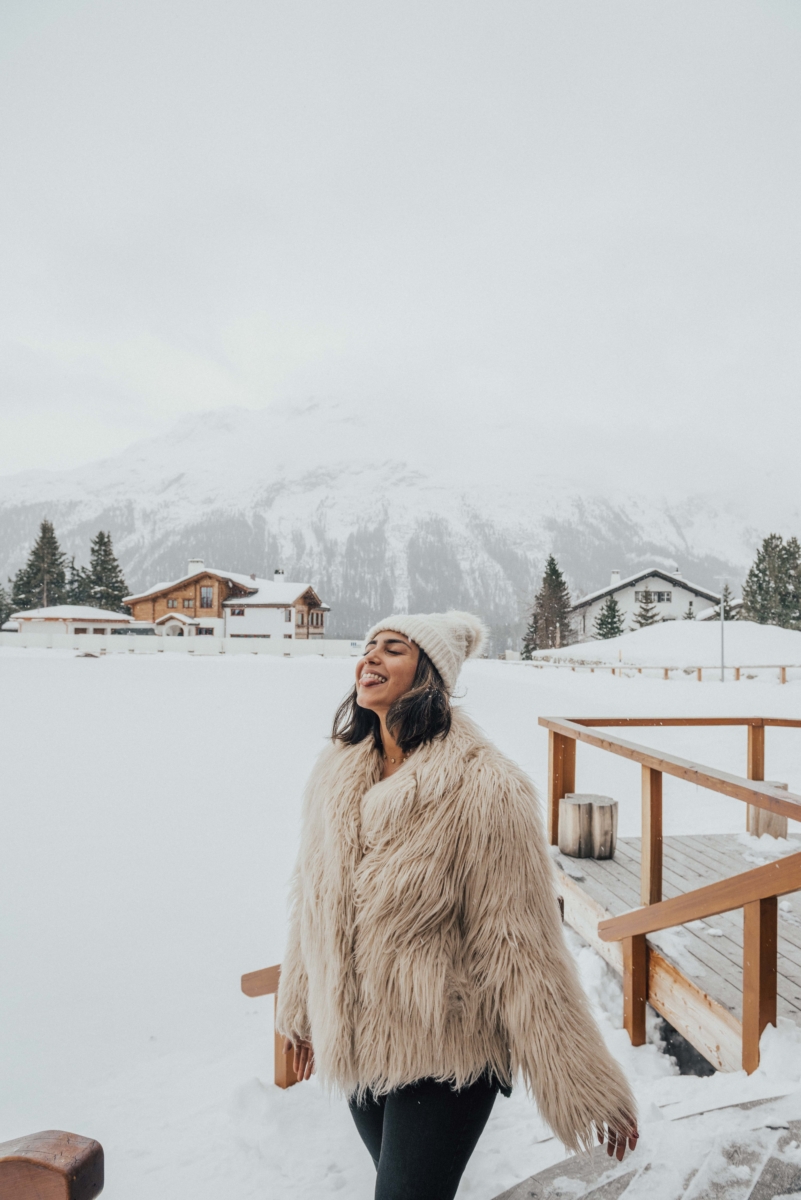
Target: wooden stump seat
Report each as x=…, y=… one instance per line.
x=51, y=1165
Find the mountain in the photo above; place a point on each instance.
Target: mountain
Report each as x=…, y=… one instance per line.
x=381, y=509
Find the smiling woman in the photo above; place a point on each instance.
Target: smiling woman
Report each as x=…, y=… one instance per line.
x=426, y=966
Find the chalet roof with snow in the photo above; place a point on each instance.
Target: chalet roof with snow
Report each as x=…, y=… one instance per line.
x=248, y=589
x=651, y=572
x=70, y=612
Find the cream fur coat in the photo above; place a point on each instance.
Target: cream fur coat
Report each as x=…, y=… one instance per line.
x=425, y=937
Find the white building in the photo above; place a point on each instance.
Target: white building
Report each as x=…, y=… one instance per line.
x=67, y=618
x=670, y=593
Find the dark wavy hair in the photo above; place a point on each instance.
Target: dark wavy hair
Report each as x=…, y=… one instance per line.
x=419, y=715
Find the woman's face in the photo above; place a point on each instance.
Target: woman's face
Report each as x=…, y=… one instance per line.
x=386, y=670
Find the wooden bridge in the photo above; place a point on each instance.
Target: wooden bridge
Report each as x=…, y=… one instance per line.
x=729, y=968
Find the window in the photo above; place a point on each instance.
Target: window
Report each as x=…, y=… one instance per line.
x=98, y=631
x=204, y=631
x=288, y=635
x=206, y=597
x=80, y=631
x=300, y=618
x=189, y=604
x=237, y=612
x=316, y=619
x=656, y=597
x=172, y=604
x=287, y=614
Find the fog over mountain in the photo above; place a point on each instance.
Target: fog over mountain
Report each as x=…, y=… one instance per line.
x=380, y=510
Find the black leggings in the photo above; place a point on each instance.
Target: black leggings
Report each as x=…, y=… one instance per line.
x=421, y=1136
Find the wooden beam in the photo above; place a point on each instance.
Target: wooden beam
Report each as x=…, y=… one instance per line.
x=285, y=1075
x=756, y=752
x=643, y=722
x=262, y=983
x=51, y=1165
x=561, y=778
x=760, y=930
x=651, y=852
x=774, y=879
x=635, y=988
x=699, y=674
x=762, y=794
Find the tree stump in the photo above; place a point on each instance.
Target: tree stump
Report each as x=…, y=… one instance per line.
x=604, y=827
x=759, y=820
x=587, y=825
x=52, y=1165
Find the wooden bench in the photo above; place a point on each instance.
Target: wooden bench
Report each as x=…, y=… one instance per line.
x=51, y=1165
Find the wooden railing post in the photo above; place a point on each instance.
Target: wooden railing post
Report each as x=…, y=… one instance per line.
x=635, y=987
x=265, y=983
x=651, y=846
x=561, y=778
x=756, y=771
x=759, y=975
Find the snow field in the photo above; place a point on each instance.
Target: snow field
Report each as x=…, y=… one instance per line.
x=150, y=819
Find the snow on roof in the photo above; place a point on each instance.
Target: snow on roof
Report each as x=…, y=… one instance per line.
x=669, y=577
x=261, y=591
x=70, y=612
x=687, y=644
x=267, y=591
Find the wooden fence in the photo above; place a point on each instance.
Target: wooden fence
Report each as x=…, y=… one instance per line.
x=754, y=891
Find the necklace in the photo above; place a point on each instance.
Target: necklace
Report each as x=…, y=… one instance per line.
x=394, y=760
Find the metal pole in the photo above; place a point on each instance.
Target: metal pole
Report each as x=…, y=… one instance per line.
x=722, y=638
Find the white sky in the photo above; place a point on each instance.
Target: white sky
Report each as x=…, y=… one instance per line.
x=587, y=211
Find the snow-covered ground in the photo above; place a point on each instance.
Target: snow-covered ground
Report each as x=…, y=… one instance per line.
x=689, y=644
x=150, y=817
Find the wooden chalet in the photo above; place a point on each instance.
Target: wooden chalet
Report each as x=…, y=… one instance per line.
x=216, y=603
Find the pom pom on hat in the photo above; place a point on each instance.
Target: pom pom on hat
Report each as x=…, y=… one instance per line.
x=448, y=638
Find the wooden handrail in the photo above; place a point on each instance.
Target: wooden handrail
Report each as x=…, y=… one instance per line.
x=265, y=983
x=789, y=722
x=761, y=795
x=773, y=879
x=51, y=1165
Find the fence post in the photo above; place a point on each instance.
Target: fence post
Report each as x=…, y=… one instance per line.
x=782, y=674
x=736, y=674
x=699, y=674
x=651, y=846
x=561, y=777
x=635, y=987
x=759, y=975
x=755, y=769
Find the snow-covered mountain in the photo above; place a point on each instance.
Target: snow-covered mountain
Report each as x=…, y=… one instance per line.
x=380, y=510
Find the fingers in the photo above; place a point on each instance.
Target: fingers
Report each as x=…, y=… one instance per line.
x=302, y=1059
x=617, y=1141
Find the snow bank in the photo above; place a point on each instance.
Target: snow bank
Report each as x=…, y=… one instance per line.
x=688, y=644
x=151, y=811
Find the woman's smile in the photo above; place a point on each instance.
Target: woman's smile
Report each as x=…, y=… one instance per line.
x=371, y=678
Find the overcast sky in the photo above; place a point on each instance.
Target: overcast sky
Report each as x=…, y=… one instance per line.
x=590, y=211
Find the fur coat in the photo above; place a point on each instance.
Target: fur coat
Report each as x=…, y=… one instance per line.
x=425, y=937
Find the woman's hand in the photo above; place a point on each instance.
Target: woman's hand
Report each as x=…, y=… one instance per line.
x=303, y=1060
x=616, y=1139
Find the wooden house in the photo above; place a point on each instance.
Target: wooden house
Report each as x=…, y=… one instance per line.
x=216, y=603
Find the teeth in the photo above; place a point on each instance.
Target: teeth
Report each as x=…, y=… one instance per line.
x=371, y=675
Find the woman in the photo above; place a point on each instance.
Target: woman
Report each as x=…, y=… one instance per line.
x=426, y=966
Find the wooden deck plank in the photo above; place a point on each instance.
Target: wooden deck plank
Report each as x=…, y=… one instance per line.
x=691, y=862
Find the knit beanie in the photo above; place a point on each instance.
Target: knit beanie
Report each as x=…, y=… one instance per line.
x=447, y=638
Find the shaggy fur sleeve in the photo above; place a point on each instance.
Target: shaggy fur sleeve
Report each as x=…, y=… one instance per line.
x=291, y=1008
x=519, y=962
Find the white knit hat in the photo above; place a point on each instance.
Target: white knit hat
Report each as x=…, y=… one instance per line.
x=448, y=638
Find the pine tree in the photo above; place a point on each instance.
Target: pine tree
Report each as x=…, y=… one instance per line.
x=550, y=622
x=726, y=597
x=106, y=587
x=77, y=584
x=690, y=613
x=42, y=582
x=647, y=614
x=6, y=607
x=609, y=622
x=772, y=589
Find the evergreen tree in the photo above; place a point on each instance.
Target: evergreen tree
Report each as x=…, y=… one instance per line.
x=42, y=582
x=647, y=613
x=772, y=589
x=728, y=612
x=6, y=607
x=550, y=622
x=77, y=584
x=690, y=613
x=106, y=587
x=609, y=622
